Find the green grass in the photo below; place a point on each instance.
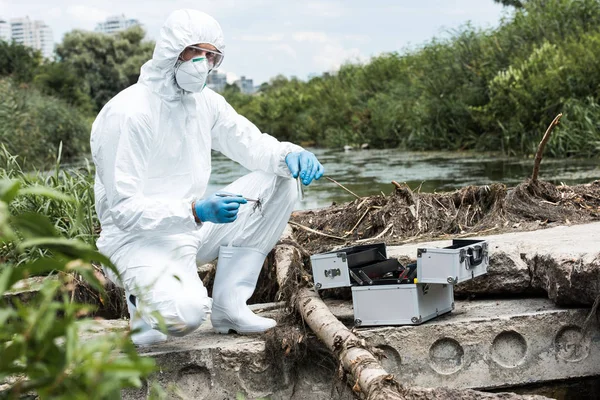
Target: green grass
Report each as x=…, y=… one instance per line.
x=75, y=218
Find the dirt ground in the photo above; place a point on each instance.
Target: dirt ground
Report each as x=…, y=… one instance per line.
x=408, y=216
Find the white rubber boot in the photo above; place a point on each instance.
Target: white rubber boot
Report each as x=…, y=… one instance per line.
x=235, y=280
x=144, y=335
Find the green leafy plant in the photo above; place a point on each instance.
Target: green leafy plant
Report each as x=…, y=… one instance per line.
x=44, y=349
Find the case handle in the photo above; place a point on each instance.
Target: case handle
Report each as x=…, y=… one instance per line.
x=473, y=261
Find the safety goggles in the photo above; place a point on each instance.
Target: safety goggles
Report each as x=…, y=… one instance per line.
x=213, y=57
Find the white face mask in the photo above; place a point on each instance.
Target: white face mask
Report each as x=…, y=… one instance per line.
x=191, y=75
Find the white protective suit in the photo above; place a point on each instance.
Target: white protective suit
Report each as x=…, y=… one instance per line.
x=152, y=148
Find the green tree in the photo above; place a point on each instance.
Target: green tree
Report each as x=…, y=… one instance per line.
x=513, y=3
x=60, y=80
x=107, y=64
x=32, y=126
x=476, y=89
x=18, y=62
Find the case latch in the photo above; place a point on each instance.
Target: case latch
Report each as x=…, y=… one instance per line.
x=333, y=272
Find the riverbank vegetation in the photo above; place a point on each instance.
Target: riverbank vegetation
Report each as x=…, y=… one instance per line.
x=74, y=219
x=477, y=89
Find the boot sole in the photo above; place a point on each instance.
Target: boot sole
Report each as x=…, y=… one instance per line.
x=225, y=331
x=150, y=341
x=147, y=344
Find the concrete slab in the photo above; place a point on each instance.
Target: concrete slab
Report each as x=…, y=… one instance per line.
x=206, y=365
x=483, y=344
x=564, y=240
x=488, y=344
x=563, y=261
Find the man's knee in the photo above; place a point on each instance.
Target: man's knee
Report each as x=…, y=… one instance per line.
x=191, y=311
x=185, y=313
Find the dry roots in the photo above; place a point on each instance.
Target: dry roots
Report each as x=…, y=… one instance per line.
x=406, y=216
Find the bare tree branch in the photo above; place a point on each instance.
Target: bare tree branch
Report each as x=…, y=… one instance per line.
x=542, y=145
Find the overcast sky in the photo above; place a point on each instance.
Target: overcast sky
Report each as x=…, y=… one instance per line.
x=291, y=37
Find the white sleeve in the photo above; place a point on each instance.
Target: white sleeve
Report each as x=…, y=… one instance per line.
x=239, y=139
x=121, y=158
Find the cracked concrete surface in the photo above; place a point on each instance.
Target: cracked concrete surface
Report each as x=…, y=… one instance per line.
x=489, y=343
x=482, y=345
x=563, y=262
x=206, y=365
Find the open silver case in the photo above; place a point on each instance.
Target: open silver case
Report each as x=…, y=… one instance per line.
x=382, y=291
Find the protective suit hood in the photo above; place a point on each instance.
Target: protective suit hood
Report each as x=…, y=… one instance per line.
x=183, y=28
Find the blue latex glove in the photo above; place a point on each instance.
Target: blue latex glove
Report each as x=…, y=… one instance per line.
x=305, y=164
x=219, y=208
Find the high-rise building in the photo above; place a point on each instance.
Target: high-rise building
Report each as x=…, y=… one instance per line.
x=5, y=33
x=116, y=23
x=246, y=85
x=217, y=81
x=34, y=34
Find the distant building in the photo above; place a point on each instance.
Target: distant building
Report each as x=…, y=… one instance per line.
x=217, y=81
x=116, y=23
x=34, y=34
x=246, y=85
x=5, y=33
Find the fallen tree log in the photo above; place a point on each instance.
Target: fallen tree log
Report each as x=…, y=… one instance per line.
x=368, y=378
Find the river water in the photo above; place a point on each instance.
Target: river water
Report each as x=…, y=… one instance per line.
x=370, y=172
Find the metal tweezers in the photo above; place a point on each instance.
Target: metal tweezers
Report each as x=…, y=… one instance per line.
x=233, y=195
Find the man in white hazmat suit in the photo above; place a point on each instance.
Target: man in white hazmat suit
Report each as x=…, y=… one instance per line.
x=152, y=148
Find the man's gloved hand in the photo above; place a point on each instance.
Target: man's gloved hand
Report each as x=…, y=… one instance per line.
x=219, y=208
x=305, y=164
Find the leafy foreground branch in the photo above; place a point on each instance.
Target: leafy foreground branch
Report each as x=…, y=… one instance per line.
x=369, y=378
x=43, y=348
x=72, y=217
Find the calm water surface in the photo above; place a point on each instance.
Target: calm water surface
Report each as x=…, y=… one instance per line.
x=370, y=172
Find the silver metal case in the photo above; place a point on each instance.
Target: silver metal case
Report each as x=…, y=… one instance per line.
x=332, y=270
x=407, y=304
x=464, y=260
